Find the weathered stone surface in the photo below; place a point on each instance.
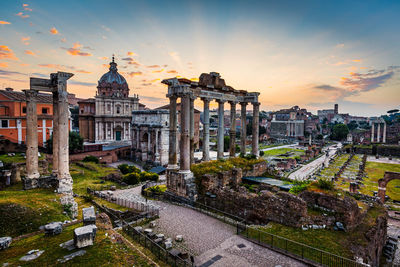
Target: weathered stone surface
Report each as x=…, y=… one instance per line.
x=5, y=242
x=54, y=228
x=89, y=216
x=148, y=231
x=168, y=245
x=31, y=255
x=139, y=229
x=179, y=238
x=152, y=224
x=72, y=255
x=84, y=236
x=67, y=200
x=69, y=245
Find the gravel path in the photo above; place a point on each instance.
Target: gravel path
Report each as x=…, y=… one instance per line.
x=306, y=170
x=207, y=237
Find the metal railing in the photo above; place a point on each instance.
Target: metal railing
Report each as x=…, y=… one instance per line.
x=295, y=249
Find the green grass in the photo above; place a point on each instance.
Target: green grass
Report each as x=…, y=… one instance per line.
x=279, y=151
x=103, y=253
x=17, y=158
x=376, y=171
x=269, y=146
x=23, y=212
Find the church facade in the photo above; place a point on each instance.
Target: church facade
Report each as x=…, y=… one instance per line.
x=107, y=117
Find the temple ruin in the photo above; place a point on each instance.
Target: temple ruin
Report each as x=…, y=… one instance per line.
x=180, y=180
x=57, y=85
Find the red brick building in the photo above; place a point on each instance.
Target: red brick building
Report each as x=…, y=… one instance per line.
x=13, y=116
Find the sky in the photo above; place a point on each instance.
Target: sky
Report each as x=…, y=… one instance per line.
x=307, y=53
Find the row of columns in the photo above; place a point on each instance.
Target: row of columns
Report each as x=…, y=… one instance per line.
x=187, y=131
x=378, y=136
x=137, y=142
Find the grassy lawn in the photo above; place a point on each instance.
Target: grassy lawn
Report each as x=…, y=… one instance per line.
x=269, y=146
x=17, y=158
x=280, y=151
x=105, y=252
x=376, y=171
x=329, y=172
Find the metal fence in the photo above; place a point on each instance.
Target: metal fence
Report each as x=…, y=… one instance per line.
x=160, y=252
x=131, y=204
x=295, y=249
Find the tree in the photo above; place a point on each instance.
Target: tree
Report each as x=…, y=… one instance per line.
x=75, y=143
x=352, y=125
x=339, y=132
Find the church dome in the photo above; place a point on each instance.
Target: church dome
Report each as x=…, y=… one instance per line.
x=113, y=84
x=112, y=75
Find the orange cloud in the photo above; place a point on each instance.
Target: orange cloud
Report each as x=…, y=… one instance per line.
x=356, y=60
x=24, y=64
x=83, y=71
x=103, y=58
x=194, y=79
x=25, y=40
x=29, y=52
x=172, y=71
x=4, y=22
x=6, y=52
x=158, y=71
x=53, y=31
x=131, y=54
x=153, y=66
x=3, y=64
x=20, y=14
x=75, y=50
x=52, y=66
x=155, y=80
x=135, y=73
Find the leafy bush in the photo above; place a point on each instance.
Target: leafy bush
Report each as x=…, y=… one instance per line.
x=298, y=188
x=131, y=178
x=148, y=176
x=125, y=169
x=91, y=159
x=261, y=153
x=157, y=189
x=325, y=184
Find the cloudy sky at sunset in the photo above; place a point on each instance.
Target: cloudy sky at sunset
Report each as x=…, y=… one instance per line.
x=307, y=53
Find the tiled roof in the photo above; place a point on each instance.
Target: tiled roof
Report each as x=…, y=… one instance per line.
x=20, y=96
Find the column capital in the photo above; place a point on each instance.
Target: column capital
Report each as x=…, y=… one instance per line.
x=31, y=94
x=206, y=99
x=220, y=101
x=172, y=96
x=233, y=103
x=255, y=103
x=243, y=104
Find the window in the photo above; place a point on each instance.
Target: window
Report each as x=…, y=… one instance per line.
x=44, y=110
x=118, y=110
x=4, y=123
x=23, y=109
x=108, y=107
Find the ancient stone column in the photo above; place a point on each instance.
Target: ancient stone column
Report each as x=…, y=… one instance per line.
x=172, y=159
x=384, y=133
x=378, y=135
x=138, y=138
x=243, y=128
x=372, y=132
x=256, y=122
x=206, y=130
x=148, y=143
x=32, y=166
x=156, y=154
x=56, y=143
x=220, y=137
x=65, y=179
x=185, y=135
x=192, y=130
x=232, y=131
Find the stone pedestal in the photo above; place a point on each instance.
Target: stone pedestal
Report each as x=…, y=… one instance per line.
x=89, y=216
x=84, y=236
x=54, y=228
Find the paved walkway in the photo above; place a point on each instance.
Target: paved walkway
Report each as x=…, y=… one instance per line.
x=305, y=171
x=207, y=237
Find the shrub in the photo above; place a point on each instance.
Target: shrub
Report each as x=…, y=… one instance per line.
x=148, y=176
x=325, y=184
x=298, y=188
x=91, y=159
x=131, y=178
x=125, y=169
x=261, y=153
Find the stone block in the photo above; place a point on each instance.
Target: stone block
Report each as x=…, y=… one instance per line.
x=89, y=216
x=148, y=231
x=160, y=236
x=31, y=255
x=138, y=229
x=84, y=236
x=158, y=240
x=168, y=245
x=152, y=224
x=179, y=238
x=5, y=242
x=54, y=228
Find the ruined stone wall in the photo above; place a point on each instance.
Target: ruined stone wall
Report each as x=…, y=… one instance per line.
x=344, y=209
x=281, y=207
